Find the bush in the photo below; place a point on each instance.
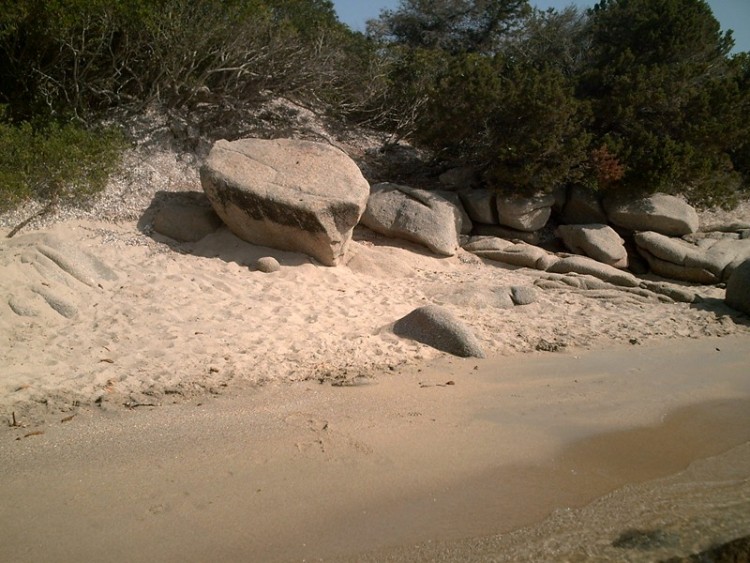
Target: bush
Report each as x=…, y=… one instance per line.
x=55, y=163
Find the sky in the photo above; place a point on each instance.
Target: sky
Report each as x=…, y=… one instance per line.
x=732, y=14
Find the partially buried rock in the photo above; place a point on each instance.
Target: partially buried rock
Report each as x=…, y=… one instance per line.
x=523, y=295
x=439, y=328
x=288, y=194
x=186, y=221
x=267, y=264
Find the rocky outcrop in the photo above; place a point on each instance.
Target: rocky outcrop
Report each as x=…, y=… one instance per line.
x=288, y=194
x=419, y=216
x=501, y=250
x=582, y=207
x=587, y=266
x=599, y=242
x=437, y=327
x=482, y=230
x=524, y=213
x=708, y=261
x=481, y=205
x=660, y=213
x=738, y=288
x=464, y=224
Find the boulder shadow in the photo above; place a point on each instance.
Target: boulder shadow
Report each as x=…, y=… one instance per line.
x=187, y=224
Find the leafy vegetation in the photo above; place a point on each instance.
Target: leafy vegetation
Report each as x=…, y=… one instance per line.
x=630, y=96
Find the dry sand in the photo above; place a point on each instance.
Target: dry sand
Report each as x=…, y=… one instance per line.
x=171, y=403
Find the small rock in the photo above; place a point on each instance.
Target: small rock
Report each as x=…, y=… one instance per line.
x=267, y=264
x=523, y=295
x=437, y=327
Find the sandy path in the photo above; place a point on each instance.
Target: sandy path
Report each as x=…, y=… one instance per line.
x=308, y=470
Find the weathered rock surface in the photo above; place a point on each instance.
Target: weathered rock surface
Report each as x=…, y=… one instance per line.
x=587, y=266
x=599, y=242
x=481, y=205
x=501, y=250
x=707, y=261
x=524, y=213
x=506, y=233
x=523, y=294
x=660, y=213
x=288, y=194
x=464, y=224
x=415, y=215
x=437, y=327
x=738, y=288
x=186, y=222
x=582, y=207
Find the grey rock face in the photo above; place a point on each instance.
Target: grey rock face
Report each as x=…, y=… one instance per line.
x=599, y=242
x=415, y=215
x=481, y=205
x=500, y=250
x=709, y=261
x=288, y=194
x=660, y=213
x=524, y=213
x=738, y=288
x=439, y=328
x=583, y=207
x=587, y=266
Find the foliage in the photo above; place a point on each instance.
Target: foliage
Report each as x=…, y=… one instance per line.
x=665, y=95
x=88, y=55
x=519, y=123
x=453, y=26
x=55, y=163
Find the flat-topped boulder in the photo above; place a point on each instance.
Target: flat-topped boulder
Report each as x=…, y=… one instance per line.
x=287, y=194
x=660, y=213
x=524, y=213
x=501, y=250
x=599, y=242
x=419, y=216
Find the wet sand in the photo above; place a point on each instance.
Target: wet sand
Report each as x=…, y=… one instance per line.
x=452, y=450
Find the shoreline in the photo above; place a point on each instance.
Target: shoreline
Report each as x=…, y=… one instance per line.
x=313, y=471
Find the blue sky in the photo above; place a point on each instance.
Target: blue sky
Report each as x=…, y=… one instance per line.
x=732, y=14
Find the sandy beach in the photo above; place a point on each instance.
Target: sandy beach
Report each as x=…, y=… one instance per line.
x=421, y=456
x=168, y=401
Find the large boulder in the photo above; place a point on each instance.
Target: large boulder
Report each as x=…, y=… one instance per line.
x=437, y=327
x=738, y=288
x=582, y=207
x=288, y=194
x=524, y=213
x=599, y=242
x=660, y=213
x=415, y=215
x=481, y=205
x=707, y=261
x=464, y=224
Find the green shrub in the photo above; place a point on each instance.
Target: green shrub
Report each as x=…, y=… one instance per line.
x=55, y=163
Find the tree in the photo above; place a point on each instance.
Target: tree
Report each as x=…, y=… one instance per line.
x=665, y=95
x=453, y=26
